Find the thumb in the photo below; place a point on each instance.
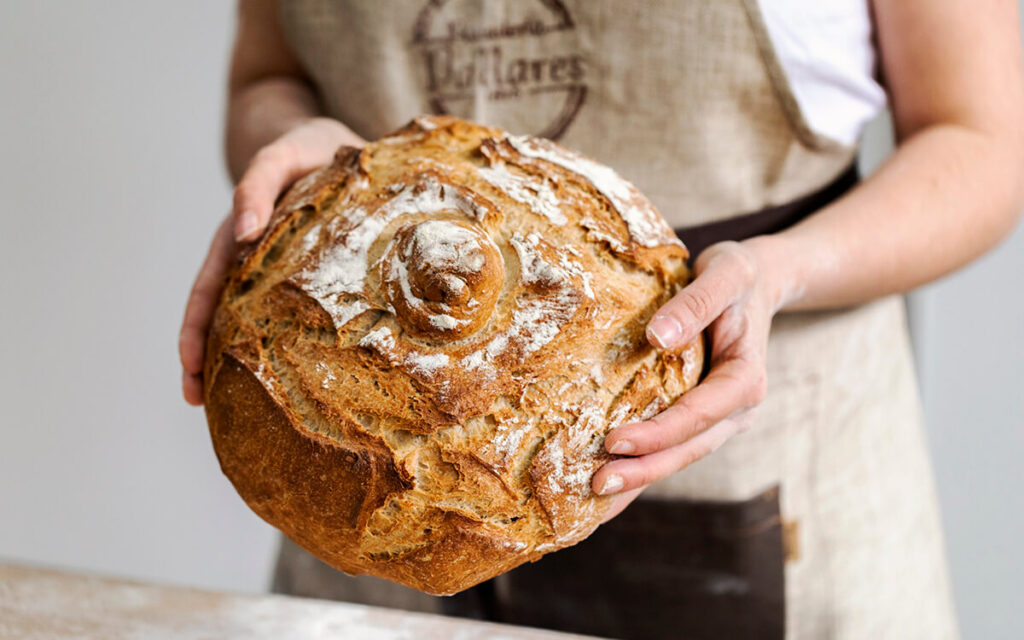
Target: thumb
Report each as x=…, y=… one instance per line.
x=271, y=170
x=722, y=279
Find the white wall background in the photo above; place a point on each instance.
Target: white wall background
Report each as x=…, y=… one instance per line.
x=110, y=184
x=111, y=181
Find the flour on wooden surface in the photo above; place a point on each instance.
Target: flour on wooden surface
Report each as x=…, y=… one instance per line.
x=42, y=603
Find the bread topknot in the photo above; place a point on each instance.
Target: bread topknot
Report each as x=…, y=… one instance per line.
x=412, y=373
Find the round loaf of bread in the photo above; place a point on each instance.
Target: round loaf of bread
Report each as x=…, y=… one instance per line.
x=412, y=373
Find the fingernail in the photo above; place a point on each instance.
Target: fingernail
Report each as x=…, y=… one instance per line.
x=622, y=447
x=665, y=331
x=612, y=484
x=246, y=225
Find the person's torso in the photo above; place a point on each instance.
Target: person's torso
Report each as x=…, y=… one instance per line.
x=687, y=100
x=690, y=101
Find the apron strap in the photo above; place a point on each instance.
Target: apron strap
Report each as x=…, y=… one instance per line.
x=769, y=220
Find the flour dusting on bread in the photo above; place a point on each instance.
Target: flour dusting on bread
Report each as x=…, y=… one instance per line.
x=535, y=193
x=645, y=225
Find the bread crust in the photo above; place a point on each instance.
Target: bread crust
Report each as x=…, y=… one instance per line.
x=412, y=372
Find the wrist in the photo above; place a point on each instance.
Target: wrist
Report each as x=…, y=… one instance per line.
x=779, y=274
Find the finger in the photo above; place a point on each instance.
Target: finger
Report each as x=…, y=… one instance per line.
x=272, y=169
x=727, y=275
x=621, y=501
x=732, y=386
x=626, y=474
x=192, y=388
x=203, y=299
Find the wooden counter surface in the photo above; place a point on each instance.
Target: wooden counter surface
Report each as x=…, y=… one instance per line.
x=44, y=603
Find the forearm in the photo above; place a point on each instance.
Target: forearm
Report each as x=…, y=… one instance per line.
x=258, y=113
x=268, y=92
x=953, y=187
x=947, y=195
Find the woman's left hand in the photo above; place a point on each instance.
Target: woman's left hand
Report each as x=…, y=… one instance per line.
x=734, y=298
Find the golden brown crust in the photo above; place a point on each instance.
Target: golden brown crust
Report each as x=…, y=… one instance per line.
x=412, y=373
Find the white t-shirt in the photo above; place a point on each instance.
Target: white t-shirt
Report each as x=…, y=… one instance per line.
x=826, y=49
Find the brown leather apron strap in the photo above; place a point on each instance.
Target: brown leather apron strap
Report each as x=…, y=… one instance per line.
x=770, y=220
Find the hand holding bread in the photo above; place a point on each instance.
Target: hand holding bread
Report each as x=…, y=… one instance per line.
x=306, y=146
x=733, y=297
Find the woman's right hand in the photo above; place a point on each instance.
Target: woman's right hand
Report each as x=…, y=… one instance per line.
x=307, y=146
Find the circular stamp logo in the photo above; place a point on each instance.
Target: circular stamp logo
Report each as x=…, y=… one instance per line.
x=512, y=64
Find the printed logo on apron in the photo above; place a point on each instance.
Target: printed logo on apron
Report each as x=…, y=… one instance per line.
x=515, y=63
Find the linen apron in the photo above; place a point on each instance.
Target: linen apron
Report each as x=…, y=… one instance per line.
x=821, y=520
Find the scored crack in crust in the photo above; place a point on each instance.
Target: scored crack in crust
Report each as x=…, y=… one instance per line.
x=412, y=373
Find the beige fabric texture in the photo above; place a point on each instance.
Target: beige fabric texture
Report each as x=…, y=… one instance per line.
x=687, y=101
